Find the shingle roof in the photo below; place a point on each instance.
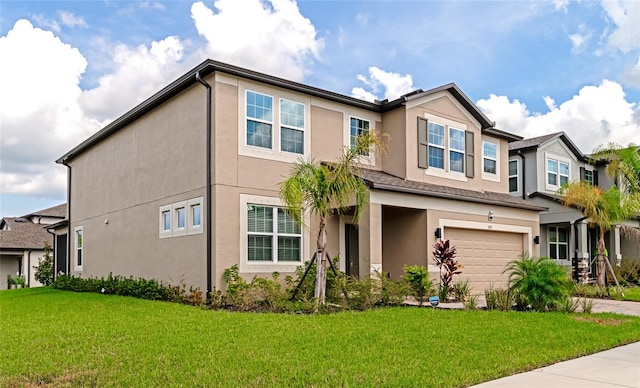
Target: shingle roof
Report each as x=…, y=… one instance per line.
x=383, y=181
x=533, y=141
x=23, y=234
x=59, y=211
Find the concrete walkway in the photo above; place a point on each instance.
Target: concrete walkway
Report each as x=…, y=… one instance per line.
x=617, y=367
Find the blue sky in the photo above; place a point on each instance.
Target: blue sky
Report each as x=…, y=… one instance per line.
x=70, y=67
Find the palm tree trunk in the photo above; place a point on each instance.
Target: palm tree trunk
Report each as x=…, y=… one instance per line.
x=321, y=263
x=600, y=269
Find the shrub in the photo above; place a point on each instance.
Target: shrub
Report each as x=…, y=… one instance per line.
x=628, y=272
x=471, y=303
x=542, y=283
x=417, y=277
x=586, y=305
x=590, y=290
x=44, y=269
x=444, y=256
x=462, y=291
x=498, y=299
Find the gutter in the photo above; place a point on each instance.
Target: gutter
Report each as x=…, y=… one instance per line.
x=207, y=198
x=575, y=242
x=68, y=258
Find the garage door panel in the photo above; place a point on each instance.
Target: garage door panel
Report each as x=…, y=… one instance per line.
x=484, y=255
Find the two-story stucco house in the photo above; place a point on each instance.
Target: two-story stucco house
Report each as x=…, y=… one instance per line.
x=22, y=241
x=538, y=167
x=186, y=184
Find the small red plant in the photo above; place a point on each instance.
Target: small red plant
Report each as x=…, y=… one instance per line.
x=444, y=256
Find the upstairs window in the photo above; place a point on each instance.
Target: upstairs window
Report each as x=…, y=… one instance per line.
x=436, y=145
x=456, y=150
x=589, y=176
x=259, y=120
x=513, y=176
x=291, y=127
x=489, y=157
x=557, y=173
x=357, y=127
x=79, y=246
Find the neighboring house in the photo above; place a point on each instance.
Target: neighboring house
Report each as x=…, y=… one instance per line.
x=538, y=167
x=22, y=241
x=186, y=184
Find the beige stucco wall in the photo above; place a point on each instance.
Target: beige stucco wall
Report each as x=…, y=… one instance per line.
x=394, y=126
x=119, y=185
x=404, y=239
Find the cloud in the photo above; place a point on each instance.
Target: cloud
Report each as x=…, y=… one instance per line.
x=596, y=115
x=272, y=37
x=70, y=20
x=561, y=5
x=631, y=75
x=625, y=14
x=40, y=115
x=395, y=84
x=139, y=72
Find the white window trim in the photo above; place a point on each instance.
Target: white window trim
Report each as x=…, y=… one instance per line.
x=76, y=267
x=558, y=160
x=273, y=153
x=486, y=175
x=558, y=243
x=445, y=172
x=165, y=233
x=462, y=151
x=364, y=159
x=301, y=129
x=191, y=228
x=445, y=156
x=514, y=176
x=179, y=231
x=267, y=267
x=247, y=118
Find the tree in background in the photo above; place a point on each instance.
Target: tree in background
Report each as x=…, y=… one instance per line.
x=44, y=269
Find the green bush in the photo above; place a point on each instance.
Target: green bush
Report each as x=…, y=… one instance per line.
x=462, y=291
x=417, y=277
x=628, y=272
x=543, y=284
x=44, y=269
x=498, y=299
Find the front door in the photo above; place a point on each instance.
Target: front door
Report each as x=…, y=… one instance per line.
x=351, y=245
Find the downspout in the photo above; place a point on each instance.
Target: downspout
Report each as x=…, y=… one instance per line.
x=68, y=258
x=53, y=251
x=575, y=242
x=207, y=199
x=524, y=193
x=29, y=268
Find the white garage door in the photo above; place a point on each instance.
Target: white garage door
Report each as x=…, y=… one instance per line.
x=484, y=255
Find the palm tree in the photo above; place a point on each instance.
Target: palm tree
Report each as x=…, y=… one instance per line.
x=329, y=188
x=622, y=163
x=603, y=209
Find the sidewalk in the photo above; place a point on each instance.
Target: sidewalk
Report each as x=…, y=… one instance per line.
x=617, y=367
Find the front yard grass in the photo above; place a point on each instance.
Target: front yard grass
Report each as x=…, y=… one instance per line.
x=69, y=339
x=630, y=294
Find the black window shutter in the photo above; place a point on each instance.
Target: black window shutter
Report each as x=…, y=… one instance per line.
x=583, y=174
x=595, y=177
x=468, y=140
x=423, y=144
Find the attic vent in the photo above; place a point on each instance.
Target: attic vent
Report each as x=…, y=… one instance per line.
x=21, y=220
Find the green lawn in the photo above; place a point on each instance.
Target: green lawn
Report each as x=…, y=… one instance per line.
x=630, y=294
x=71, y=339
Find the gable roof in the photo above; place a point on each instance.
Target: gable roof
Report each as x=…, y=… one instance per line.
x=58, y=211
x=383, y=181
x=23, y=234
x=536, y=142
x=210, y=66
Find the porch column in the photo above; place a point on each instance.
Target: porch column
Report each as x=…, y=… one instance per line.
x=582, y=251
x=370, y=240
x=615, y=257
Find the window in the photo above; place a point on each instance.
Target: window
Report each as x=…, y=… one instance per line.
x=273, y=236
x=489, y=157
x=259, y=119
x=436, y=145
x=558, y=243
x=291, y=127
x=513, y=176
x=557, y=173
x=456, y=150
x=588, y=176
x=180, y=218
x=79, y=245
x=357, y=127
x=166, y=221
x=194, y=216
